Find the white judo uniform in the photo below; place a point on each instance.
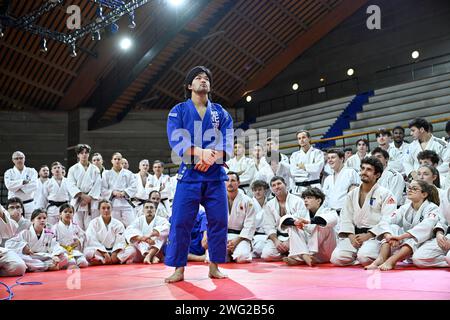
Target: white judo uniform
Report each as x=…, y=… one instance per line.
x=242, y=223
x=66, y=235
x=107, y=238
x=268, y=171
x=260, y=237
x=316, y=240
x=123, y=181
x=430, y=254
x=336, y=187
x=410, y=162
x=373, y=216
x=54, y=195
x=393, y=181
x=310, y=176
x=419, y=224
x=13, y=180
x=155, y=183
x=294, y=207
x=89, y=182
x=354, y=161
x=10, y=263
x=44, y=249
x=141, y=228
x=142, y=193
x=248, y=169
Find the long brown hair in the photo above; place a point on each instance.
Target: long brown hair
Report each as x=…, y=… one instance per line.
x=431, y=190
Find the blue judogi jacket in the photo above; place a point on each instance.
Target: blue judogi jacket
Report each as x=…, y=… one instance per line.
x=185, y=129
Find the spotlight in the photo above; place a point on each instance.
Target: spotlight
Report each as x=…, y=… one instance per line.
x=99, y=14
x=322, y=79
x=1, y=32
x=350, y=72
x=114, y=27
x=295, y=86
x=43, y=45
x=73, y=52
x=415, y=54
x=248, y=98
x=131, y=23
x=125, y=43
x=176, y=3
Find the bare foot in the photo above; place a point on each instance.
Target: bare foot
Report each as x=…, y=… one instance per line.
x=148, y=259
x=309, y=259
x=291, y=261
x=375, y=264
x=214, y=272
x=178, y=275
x=155, y=259
x=388, y=265
x=54, y=267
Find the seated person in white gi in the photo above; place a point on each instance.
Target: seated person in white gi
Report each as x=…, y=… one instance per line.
x=241, y=221
x=336, y=185
x=260, y=191
x=412, y=225
x=16, y=211
x=311, y=240
x=390, y=179
x=284, y=203
x=10, y=263
x=37, y=246
x=361, y=218
x=105, y=243
x=436, y=252
x=70, y=236
x=147, y=234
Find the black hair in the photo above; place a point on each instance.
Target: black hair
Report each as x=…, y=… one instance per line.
x=374, y=162
x=190, y=76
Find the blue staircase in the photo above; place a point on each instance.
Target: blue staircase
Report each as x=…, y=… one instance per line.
x=343, y=120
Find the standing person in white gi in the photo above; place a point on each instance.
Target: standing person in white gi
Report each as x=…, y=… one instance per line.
x=142, y=192
x=412, y=224
x=242, y=165
x=97, y=160
x=306, y=164
x=119, y=186
x=84, y=183
x=284, y=203
x=336, y=185
x=241, y=221
x=158, y=181
x=147, y=234
x=395, y=157
x=259, y=191
x=105, y=241
x=37, y=246
x=362, y=220
x=311, y=240
x=161, y=211
x=362, y=145
x=423, y=140
x=273, y=145
x=263, y=169
x=43, y=176
x=54, y=194
x=125, y=164
x=436, y=252
x=70, y=236
x=390, y=179
x=21, y=182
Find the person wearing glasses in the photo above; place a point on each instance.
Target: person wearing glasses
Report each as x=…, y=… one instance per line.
x=21, y=182
x=411, y=225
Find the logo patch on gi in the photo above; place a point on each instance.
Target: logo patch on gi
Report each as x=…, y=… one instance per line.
x=173, y=114
x=215, y=120
x=391, y=200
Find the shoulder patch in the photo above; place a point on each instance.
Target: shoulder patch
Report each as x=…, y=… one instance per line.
x=173, y=114
x=441, y=142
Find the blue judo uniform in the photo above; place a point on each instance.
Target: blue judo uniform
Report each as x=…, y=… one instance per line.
x=186, y=129
x=201, y=225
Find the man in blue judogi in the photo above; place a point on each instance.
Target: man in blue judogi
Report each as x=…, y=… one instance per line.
x=200, y=134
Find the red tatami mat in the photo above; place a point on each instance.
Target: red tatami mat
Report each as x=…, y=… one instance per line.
x=257, y=280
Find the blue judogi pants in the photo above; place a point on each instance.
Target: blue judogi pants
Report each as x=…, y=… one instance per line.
x=212, y=195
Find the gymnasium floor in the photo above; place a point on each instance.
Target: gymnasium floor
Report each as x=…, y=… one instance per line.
x=258, y=280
